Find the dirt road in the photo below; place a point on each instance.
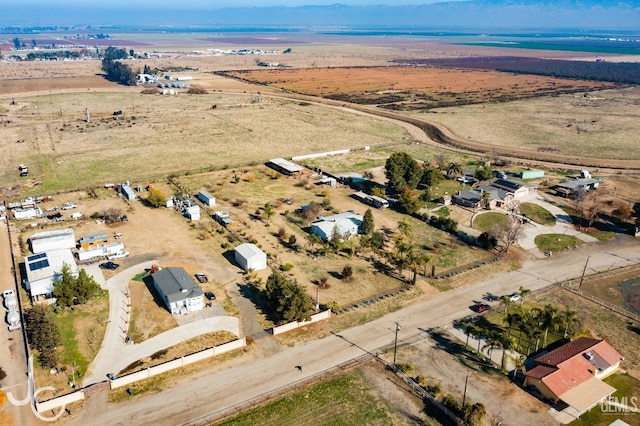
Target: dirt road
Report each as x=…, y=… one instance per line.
x=12, y=349
x=246, y=378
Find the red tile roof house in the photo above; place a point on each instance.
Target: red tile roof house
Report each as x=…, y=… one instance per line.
x=573, y=373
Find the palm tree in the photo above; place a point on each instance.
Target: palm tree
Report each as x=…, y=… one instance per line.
x=523, y=292
x=550, y=320
x=516, y=319
x=404, y=228
x=569, y=318
x=469, y=328
x=518, y=363
x=506, y=302
x=268, y=212
x=454, y=169
x=312, y=240
x=485, y=199
x=508, y=343
x=493, y=341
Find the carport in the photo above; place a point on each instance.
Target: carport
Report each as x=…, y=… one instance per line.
x=585, y=396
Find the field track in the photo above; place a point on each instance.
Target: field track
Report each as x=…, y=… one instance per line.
x=443, y=138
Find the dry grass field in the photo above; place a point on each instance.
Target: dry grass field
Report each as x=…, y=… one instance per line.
x=603, y=125
x=158, y=135
x=256, y=188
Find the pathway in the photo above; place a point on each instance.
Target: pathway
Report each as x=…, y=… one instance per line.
x=116, y=354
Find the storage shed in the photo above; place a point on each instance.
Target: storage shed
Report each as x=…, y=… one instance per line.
x=531, y=174
x=52, y=240
x=192, y=212
x=128, y=192
x=284, y=166
x=206, y=198
x=249, y=256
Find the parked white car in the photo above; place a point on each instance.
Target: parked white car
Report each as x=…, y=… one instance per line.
x=515, y=297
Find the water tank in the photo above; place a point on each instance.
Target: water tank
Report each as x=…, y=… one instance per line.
x=13, y=317
x=10, y=301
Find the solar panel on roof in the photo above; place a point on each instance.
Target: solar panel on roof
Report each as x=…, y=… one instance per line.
x=40, y=264
x=38, y=256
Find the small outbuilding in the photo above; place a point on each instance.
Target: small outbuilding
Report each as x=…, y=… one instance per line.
x=128, y=192
x=285, y=167
x=249, y=256
x=192, y=212
x=52, y=240
x=178, y=290
x=208, y=199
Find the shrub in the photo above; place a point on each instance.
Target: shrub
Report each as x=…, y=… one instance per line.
x=286, y=267
x=347, y=273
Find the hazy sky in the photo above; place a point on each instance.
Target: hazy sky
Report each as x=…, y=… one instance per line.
x=214, y=4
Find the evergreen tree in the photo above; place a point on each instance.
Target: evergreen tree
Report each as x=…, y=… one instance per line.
x=367, y=223
x=43, y=334
x=402, y=171
x=288, y=299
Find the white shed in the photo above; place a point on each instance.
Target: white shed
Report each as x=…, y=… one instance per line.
x=249, y=256
x=192, y=213
x=52, y=240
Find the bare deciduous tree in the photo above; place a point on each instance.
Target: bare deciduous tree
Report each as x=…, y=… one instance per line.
x=509, y=232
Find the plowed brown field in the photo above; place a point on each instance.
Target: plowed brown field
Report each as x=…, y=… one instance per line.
x=434, y=86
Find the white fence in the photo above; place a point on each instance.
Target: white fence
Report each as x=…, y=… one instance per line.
x=319, y=154
x=293, y=325
x=63, y=400
x=60, y=401
x=177, y=363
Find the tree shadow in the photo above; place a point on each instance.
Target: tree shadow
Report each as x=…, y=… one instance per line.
x=257, y=297
x=633, y=327
x=466, y=356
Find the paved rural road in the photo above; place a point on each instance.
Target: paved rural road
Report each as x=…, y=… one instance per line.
x=246, y=378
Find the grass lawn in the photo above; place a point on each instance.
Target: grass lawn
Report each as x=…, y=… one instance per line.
x=537, y=214
x=344, y=400
x=556, y=242
x=486, y=221
x=82, y=330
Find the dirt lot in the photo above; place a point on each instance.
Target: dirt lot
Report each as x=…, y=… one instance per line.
x=244, y=198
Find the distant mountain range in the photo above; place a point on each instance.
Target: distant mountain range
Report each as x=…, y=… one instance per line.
x=476, y=14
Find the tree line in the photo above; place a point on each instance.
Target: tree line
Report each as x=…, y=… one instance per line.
x=116, y=70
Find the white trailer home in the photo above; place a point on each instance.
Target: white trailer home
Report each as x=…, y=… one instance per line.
x=27, y=214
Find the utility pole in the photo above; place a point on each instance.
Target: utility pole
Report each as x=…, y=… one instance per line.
x=317, y=299
x=395, y=343
x=464, y=394
x=583, y=272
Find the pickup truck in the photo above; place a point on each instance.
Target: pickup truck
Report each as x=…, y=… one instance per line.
x=68, y=206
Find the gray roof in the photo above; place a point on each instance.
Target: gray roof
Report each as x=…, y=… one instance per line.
x=578, y=183
x=508, y=184
x=176, y=284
